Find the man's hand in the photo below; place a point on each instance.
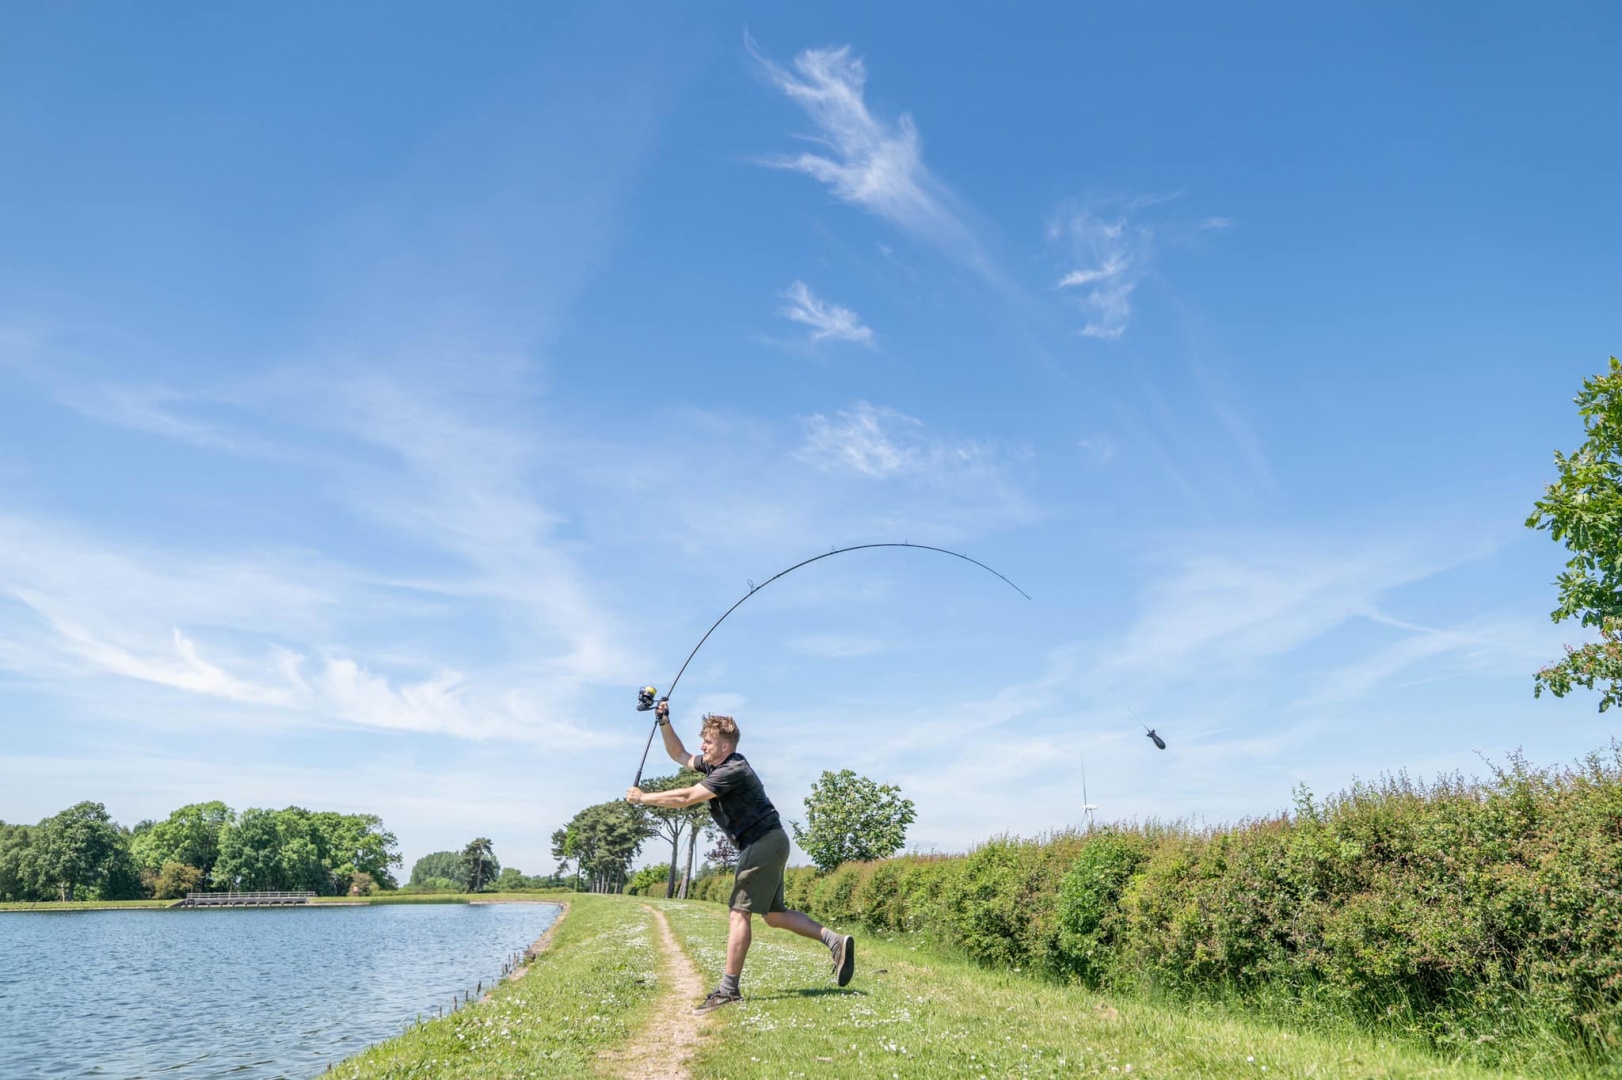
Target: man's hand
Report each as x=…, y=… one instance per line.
x=633, y=795
x=667, y=731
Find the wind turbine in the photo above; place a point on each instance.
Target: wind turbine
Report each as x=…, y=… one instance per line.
x=1087, y=807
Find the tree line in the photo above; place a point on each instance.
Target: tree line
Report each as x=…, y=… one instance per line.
x=82, y=854
x=474, y=869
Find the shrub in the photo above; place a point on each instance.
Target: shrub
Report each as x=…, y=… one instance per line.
x=649, y=881
x=1089, y=903
x=175, y=880
x=831, y=895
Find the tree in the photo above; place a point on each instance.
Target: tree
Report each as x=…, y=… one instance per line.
x=671, y=824
x=604, y=839
x=436, y=866
x=354, y=844
x=250, y=853
x=851, y=818
x=565, y=849
x=294, y=849
x=81, y=849
x=274, y=850
x=723, y=856
x=175, y=880
x=479, y=866
x=1583, y=510
x=18, y=877
x=190, y=835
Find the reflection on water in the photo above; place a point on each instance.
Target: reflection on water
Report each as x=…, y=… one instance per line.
x=253, y=995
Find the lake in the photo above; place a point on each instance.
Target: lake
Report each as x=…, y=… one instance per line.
x=249, y=994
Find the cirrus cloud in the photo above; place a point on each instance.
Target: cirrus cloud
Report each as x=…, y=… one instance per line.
x=825, y=320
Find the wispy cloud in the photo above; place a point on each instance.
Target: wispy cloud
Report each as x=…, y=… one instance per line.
x=825, y=320
x=1226, y=606
x=883, y=443
x=261, y=631
x=866, y=161
x=1113, y=254
x=1478, y=646
x=314, y=638
x=1109, y=247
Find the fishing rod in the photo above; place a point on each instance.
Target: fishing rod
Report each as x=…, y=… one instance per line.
x=648, y=697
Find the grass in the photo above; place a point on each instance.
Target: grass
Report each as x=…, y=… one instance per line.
x=589, y=990
x=911, y=1012
x=84, y=905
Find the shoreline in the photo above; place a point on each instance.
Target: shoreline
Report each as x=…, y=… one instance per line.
x=24, y=907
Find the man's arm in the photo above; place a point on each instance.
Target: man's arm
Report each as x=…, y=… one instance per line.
x=678, y=753
x=674, y=799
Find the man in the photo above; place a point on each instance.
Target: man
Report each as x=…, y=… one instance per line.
x=739, y=805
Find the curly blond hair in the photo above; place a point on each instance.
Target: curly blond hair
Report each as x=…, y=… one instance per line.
x=722, y=727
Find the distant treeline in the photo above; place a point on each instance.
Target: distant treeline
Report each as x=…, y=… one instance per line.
x=1484, y=916
x=82, y=854
x=474, y=868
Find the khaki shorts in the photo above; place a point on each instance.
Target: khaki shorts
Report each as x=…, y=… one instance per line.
x=759, y=884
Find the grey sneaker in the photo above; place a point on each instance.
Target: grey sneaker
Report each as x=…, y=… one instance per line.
x=717, y=998
x=844, y=951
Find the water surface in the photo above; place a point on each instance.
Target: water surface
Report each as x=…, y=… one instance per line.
x=246, y=994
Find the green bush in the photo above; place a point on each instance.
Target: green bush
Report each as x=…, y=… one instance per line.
x=649, y=881
x=1089, y=903
x=831, y=894
x=798, y=881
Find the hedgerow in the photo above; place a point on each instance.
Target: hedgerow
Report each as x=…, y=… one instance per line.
x=1484, y=915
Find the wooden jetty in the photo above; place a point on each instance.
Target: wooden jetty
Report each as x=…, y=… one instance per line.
x=244, y=899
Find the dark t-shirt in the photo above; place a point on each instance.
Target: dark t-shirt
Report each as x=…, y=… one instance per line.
x=740, y=806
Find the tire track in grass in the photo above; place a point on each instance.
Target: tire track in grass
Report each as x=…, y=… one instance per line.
x=661, y=1050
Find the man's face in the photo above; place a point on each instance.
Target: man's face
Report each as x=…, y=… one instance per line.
x=712, y=749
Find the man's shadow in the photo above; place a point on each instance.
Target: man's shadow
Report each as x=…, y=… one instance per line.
x=820, y=991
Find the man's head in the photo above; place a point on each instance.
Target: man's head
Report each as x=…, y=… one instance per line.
x=718, y=738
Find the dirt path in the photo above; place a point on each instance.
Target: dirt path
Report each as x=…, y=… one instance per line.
x=661, y=1049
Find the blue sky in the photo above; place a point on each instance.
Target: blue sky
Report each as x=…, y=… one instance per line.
x=387, y=392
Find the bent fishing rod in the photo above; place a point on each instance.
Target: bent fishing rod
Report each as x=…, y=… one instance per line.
x=648, y=697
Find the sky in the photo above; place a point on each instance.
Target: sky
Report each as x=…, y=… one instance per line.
x=388, y=391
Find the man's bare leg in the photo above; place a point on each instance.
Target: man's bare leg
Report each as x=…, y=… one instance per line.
x=797, y=921
x=841, y=946
x=737, y=949
x=739, y=935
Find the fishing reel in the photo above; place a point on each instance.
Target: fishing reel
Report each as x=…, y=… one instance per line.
x=647, y=699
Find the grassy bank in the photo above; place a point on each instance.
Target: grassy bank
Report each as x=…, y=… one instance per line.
x=914, y=1011
x=589, y=990
x=85, y=905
